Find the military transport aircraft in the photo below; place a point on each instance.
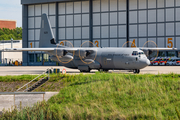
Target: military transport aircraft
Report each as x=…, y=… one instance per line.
x=88, y=58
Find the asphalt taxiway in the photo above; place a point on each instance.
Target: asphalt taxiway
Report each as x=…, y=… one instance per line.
x=21, y=70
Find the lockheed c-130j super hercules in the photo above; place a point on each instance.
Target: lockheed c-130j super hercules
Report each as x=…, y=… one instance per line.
x=88, y=58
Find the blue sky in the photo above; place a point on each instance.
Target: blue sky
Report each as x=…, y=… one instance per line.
x=11, y=10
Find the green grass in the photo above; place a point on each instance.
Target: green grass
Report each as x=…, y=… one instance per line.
x=9, y=78
x=109, y=96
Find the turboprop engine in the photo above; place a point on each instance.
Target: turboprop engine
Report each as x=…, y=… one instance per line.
x=59, y=53
x=65, y=58
x=82, y=53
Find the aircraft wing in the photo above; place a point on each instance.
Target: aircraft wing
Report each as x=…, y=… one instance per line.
x=45, y=49
x=27, y=49
x=158, y=49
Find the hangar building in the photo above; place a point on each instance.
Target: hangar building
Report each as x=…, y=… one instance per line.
x=107, y=23
x=5, y=57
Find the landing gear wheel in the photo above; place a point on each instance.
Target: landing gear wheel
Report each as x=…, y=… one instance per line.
x=86, y=70
x=105, y=70
x=136, y=71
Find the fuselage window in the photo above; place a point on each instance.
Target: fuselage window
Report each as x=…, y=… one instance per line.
x=135, y=53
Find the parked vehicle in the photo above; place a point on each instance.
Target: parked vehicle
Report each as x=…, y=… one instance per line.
x=178, y=62
x=172, y=61
x=163, y=61
x=156, y=62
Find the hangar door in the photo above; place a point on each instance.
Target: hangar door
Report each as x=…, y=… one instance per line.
x=34, y=25
x=155, y=20
x=73, y=20
x=109, y=23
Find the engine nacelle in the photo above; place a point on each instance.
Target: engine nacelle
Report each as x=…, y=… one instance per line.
x=59, y=53
x=65, y=58
x=82, y=53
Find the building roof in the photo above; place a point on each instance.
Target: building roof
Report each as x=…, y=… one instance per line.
x=43, y=1
x=7, y=20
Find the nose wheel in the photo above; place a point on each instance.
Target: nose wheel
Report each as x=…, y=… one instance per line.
x=136, y=71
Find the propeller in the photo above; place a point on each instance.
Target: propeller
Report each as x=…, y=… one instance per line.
x=151, y=54
x=130, y=44
x=63, y=55
x=87, y=54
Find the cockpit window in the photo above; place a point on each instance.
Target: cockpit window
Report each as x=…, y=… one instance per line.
x=141, y=53
x=135, y=53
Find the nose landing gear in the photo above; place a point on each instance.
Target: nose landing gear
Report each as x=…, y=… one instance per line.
x=136, y=71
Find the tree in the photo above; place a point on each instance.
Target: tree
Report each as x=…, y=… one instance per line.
x=1, y=32
x=7, y=34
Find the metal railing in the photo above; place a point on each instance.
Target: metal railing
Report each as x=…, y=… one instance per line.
x=46, y=73
x=26, y=90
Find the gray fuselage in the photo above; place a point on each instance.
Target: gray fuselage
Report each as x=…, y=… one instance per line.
x=110, y=59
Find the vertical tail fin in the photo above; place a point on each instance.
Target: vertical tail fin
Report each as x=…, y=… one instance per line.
x=46, y=34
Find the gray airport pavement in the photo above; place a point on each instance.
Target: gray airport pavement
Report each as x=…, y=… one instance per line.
x=21, y=70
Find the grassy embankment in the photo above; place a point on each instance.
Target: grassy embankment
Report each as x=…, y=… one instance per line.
x=109, y=96
x=12, y=83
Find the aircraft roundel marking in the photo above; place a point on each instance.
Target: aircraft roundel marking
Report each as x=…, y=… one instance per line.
x=64, y=71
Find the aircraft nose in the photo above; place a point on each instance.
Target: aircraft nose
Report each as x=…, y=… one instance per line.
x=144, y=63
x=148, y=62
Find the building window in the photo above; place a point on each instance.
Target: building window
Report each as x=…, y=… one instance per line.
x=162, y=54
x=31, y=57
x=38, y=57
x=179, y=54
x=46, y=57
x=171, y=54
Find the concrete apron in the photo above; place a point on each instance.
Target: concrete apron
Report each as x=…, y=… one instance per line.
x=7, y=101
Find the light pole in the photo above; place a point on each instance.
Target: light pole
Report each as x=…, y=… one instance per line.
x=11, y=43
x=3, y=51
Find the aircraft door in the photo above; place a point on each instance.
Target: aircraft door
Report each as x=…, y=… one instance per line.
x=137, y=59
x=107, y=61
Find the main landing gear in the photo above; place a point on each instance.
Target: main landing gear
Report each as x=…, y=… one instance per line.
x=86, y=71
x=136, y=71
x=103, y=70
